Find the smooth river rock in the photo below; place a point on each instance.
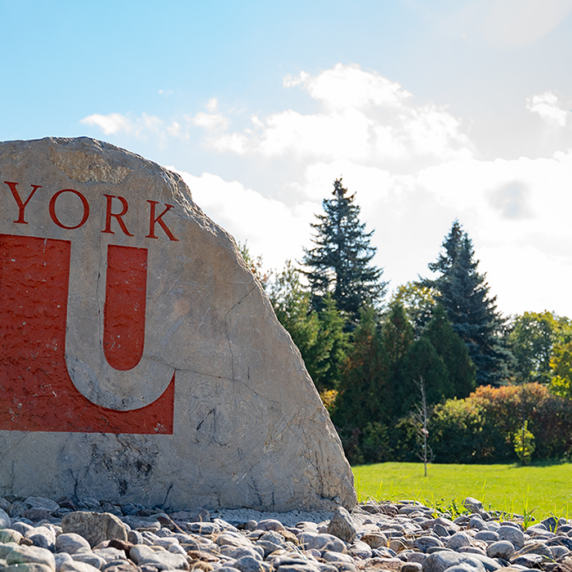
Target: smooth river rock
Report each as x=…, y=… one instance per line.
x=141, y=360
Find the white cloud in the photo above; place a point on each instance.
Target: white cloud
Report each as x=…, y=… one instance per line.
x=528, y=193
x=210, y=120
x=269, y=226
x=140, y=127
x=349, y=87
x=413, y=170
x=364, y=117
x=145, y=125
x=546, y=105
x=540, y=280
x=213, y=120
x=109, y=124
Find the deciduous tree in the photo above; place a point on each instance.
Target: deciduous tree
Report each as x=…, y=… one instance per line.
x=320, y=337
x=532, y=338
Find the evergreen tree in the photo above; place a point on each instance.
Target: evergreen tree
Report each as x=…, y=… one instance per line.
x=396, y=337
x=451, y=246
x=422, y=361
x=361, y=397
x=334, y=340
x=439, y=356
x=340, y=261
x=451, y=349
x=464, y=294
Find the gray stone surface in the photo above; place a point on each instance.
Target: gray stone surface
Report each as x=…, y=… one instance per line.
x=322, y=542
x=14, y=554
x=94, y=527
x=88, y=557
x=4, y=519
x=473, y=505
x=61, y=558
x=426, y=542
x=513, y=535
x=71, y=542
x=41, y=502
x=501, y=549
x=249, y=427
x=77, y=567
x=440, y=561
x=458, y=540
x=27, y=567
x=342, y=525
x=10, y=535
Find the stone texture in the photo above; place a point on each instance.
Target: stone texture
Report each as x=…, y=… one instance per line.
x=458, y=540
x=77, y=567
x=440, y=561
x=94, y=527
x=27, y=567
x=290, y=542
x=473, y=505
x=71, y=542
x=501, y=549
x=10, y=535
x=322, y=542
x=513, y=535
x=41, y=502
x=342, y=525
x=4, y=519
x=241, y=425
x=14, y=554
x=374, y=539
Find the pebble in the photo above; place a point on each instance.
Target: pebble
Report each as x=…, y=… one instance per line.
x=501, y=549
x=86, y=535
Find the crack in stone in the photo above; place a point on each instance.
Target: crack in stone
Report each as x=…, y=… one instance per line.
x=259, y=394
x=12, y=447
x=226, y=328
x=188, y=370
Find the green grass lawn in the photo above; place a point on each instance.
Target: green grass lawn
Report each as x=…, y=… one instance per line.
x=541, y=490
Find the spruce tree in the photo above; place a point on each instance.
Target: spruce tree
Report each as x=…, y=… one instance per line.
x=396, y=338
x=422, y=361
x=451, y=349
x=361, y=397
x=340, y=261
x=464, y=293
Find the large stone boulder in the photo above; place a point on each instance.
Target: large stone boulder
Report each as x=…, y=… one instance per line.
x=140, y=359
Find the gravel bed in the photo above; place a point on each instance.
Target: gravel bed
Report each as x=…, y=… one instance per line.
x=85, y=535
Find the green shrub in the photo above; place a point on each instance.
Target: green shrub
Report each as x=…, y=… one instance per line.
x=484, y=427
x=524, y=444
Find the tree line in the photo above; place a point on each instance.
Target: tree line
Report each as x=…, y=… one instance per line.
x=368, y=355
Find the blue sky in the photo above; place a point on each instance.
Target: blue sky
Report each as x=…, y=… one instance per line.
x=430, y=111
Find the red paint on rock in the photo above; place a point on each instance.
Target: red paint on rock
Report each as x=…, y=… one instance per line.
x=36, y=391
x=124, y=310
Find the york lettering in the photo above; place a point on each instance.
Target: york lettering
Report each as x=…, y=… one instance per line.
x=117, y=216
x=116, y=209
x=84, y=203
x=21, y=205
